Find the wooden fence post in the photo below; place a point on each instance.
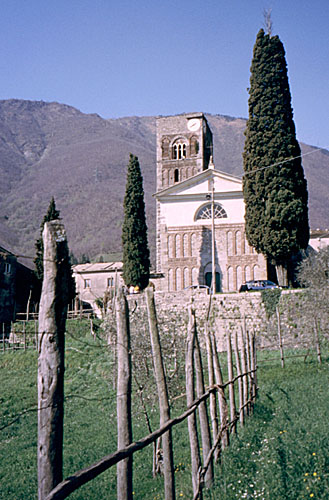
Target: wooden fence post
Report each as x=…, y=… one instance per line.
x=253, y=362
x=24, y=335
x=203, y=413
x=280, y=336
x=223, y=410
x=191, y=420
x=317, y=341
x=124, y=425
x=239, y=373
x=52, y=318
x=168, y=460
x=231, y=384
x=212, y=397
x=245, y=377
x=250, y=383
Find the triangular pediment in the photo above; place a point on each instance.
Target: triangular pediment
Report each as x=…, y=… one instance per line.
x=201, y=183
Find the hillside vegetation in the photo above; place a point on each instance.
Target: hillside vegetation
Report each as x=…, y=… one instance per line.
x=51, y=149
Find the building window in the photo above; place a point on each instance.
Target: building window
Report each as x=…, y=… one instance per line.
x=110, y=282
x=87, y=283
x=176, y=175
x=7, y=268
x=165, y=148
x=179, y=150
x=194, y=146
x=205, y=212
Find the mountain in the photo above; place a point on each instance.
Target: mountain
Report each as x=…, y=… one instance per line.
x=52, y=149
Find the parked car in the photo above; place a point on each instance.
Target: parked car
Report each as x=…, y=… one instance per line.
x=257, y=285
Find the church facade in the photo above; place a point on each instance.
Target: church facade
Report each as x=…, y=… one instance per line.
x=194, y=200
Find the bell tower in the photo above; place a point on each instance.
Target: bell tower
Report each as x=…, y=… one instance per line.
x=184, y=148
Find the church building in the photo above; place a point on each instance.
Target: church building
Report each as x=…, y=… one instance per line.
x=188, y=185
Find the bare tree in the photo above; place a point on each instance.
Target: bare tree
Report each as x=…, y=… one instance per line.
x=268, y=23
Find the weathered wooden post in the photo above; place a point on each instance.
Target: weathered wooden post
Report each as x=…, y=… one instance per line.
x=191, y=420
x=24, y=334
x=223, y=410
x=125, y=467
x=245, y=376
x=231, y=384
x=250, y=382
x=239, y=374
x=317, y=340
x=52, y=318
x=160, y=377
x=212, y=397
x=280, y=335
x=253, y=362
x=203, y=414
x=36, y=334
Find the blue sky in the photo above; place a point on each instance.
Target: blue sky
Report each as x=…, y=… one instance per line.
x=151, y=57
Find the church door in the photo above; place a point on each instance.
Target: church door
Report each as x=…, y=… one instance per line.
x=208, y=281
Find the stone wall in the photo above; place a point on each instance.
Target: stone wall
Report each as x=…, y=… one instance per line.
x=229, y=312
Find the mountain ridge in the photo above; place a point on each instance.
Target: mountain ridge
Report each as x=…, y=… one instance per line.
x=53, y=149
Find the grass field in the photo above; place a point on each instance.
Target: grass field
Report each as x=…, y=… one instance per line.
x=282, y=452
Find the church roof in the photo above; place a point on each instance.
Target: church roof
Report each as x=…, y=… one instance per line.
x=224, y=184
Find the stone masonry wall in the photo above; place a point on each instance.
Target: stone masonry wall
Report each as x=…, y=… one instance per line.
x=229, y=312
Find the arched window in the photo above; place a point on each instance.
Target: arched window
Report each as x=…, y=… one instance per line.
x=179, y=150
x=195, y=276
x=178, y=279
x=194, y=146
x=177, y=246
x=238, y=277
x=171, y=253
x=230, y=284
x=257, y=274
x=229, y=241
x=186, y=252
x=165, y=148
x=205, y=212
x=170, y=280
x=194, y=250
x=238, y=243
x=186, y=278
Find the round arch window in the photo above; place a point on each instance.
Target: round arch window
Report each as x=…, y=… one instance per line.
x=205, y=212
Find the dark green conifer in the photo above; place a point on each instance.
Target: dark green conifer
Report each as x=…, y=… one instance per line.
x=52, y=214
x=274, y=186
x=136, y=255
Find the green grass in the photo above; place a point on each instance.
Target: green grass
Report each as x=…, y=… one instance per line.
x=281, y=453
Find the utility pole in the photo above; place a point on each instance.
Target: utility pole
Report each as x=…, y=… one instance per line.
x=213, y=263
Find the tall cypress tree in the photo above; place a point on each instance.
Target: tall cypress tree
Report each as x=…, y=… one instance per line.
x=52, y=214
x=136, y=255
x=274, y=186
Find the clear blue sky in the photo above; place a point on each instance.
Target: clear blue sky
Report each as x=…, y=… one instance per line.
x=151, y=57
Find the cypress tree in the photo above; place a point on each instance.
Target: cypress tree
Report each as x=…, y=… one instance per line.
x=52, y=214
x=274, y=186
x=136, y=255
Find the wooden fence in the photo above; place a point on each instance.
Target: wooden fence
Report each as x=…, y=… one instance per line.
x=212, y=413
